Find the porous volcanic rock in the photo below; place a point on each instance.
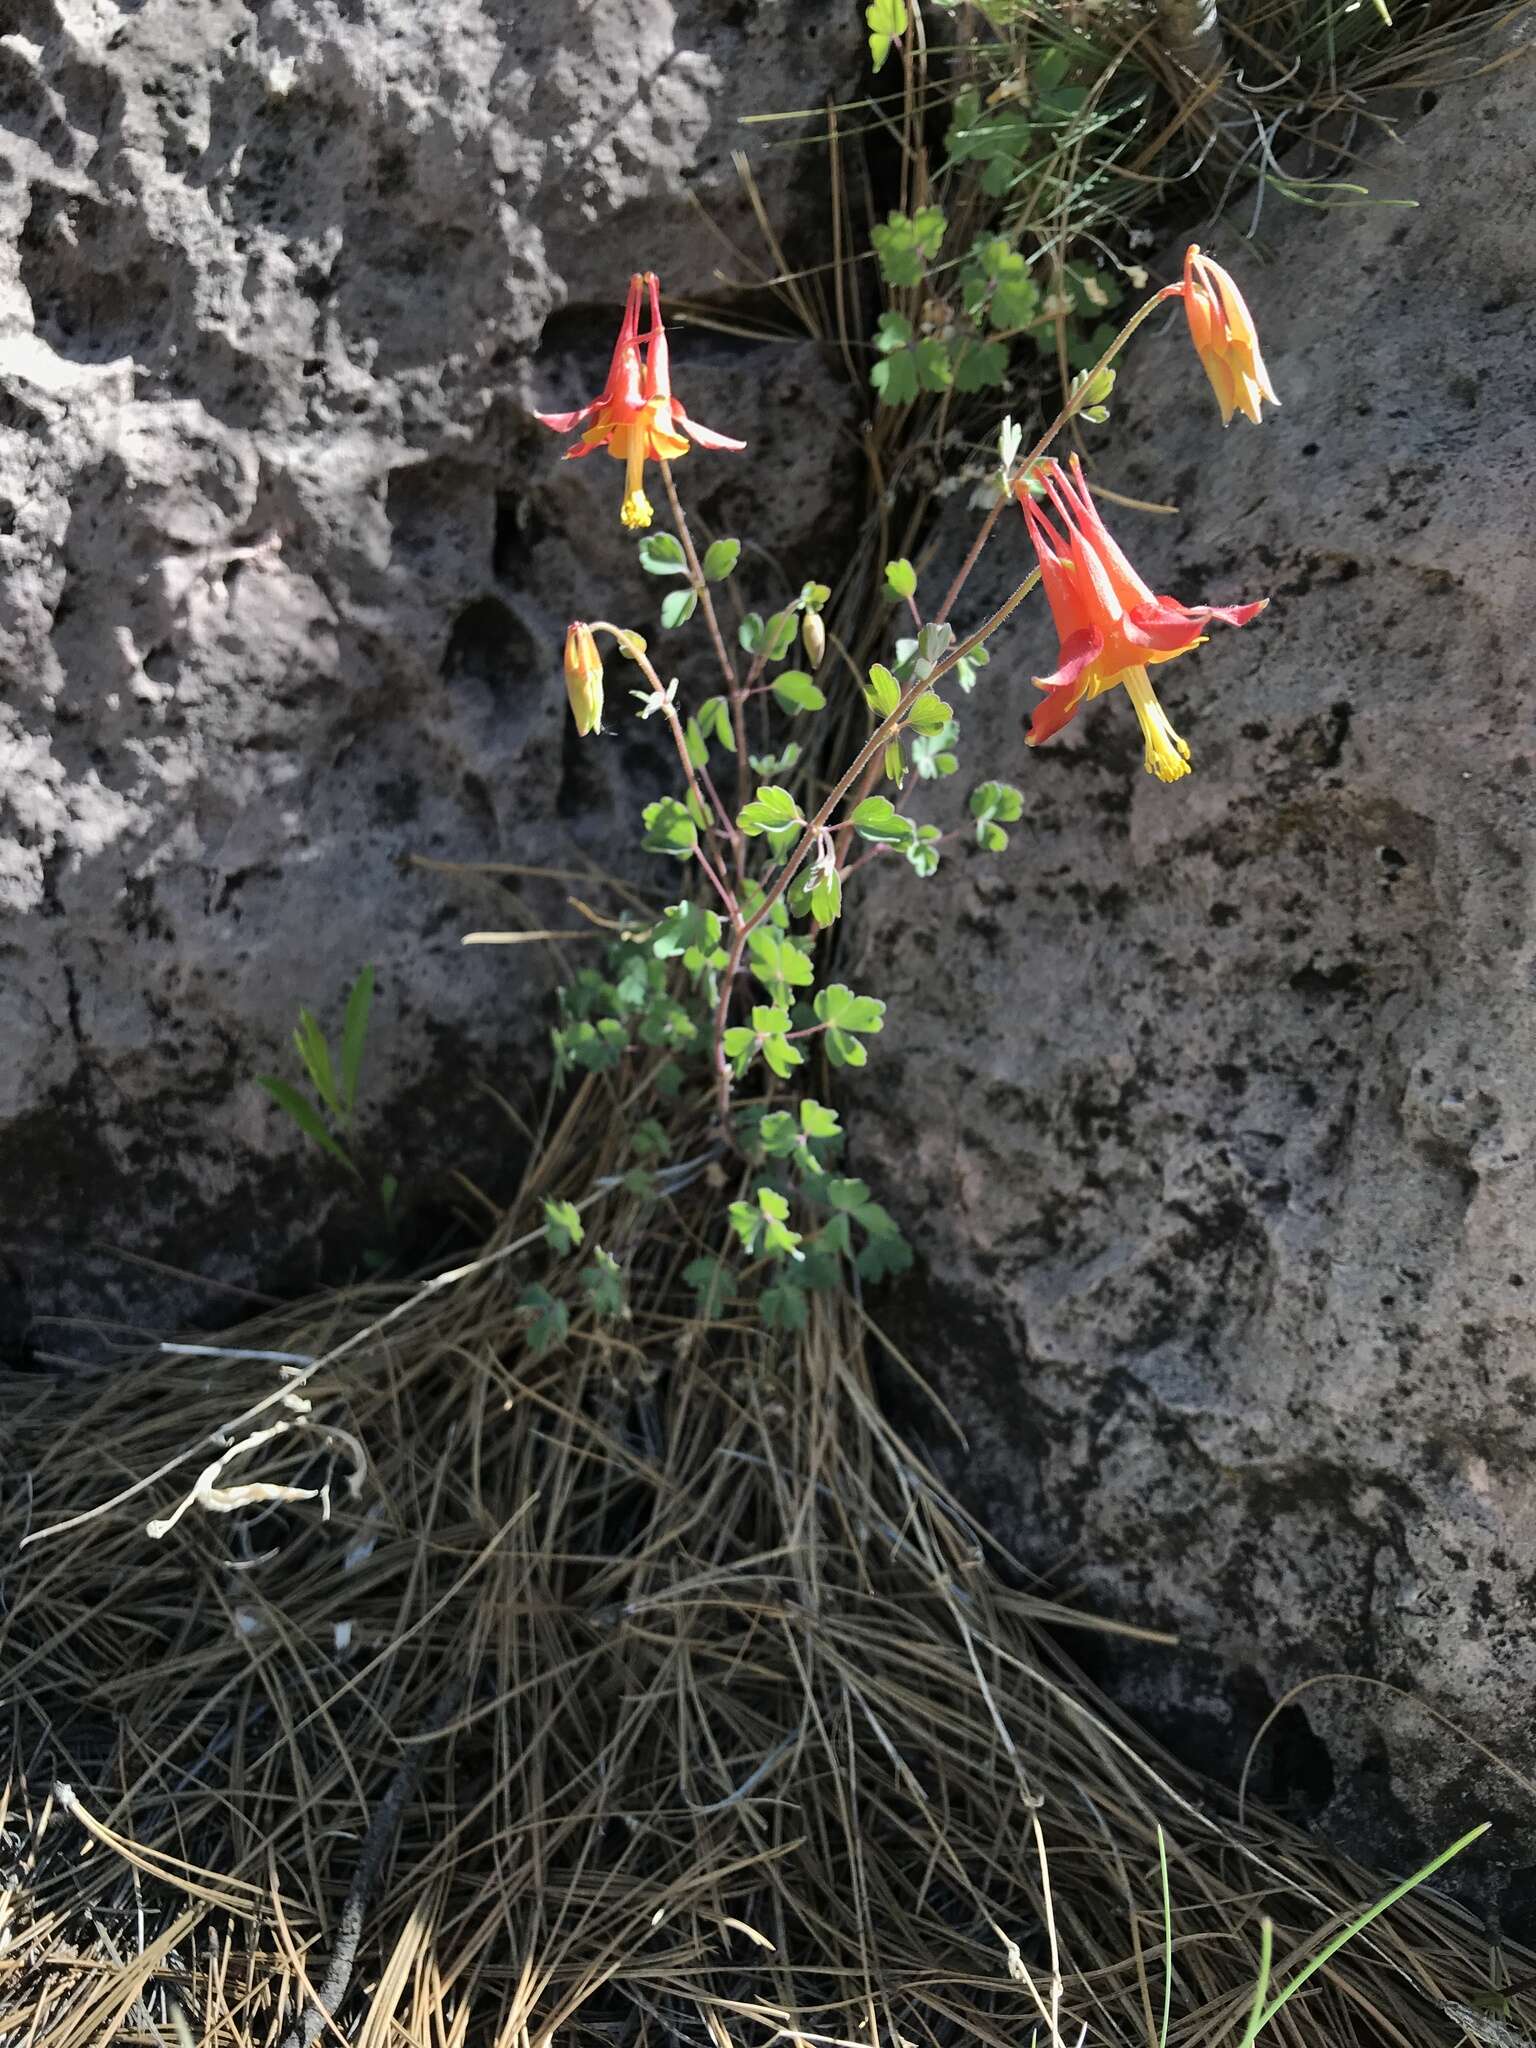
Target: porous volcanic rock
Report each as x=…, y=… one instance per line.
x=1211, y=1106
x=285, y=565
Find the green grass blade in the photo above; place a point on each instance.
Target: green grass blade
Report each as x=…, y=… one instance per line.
x=354, y=1033
x=1256, y=2013
x=305, y=1115
x=1330, y=1949
x=315, y=1057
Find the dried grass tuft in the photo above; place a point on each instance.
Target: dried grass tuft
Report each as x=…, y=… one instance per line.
x=648, y=1691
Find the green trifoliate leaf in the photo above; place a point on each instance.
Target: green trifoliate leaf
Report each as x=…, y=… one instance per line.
x=837, y=1006
x=784, y=1307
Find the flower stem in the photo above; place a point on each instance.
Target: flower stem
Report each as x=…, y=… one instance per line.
x=668, y=711
x=733, y=688
x=871, y=750
x=1021, y=469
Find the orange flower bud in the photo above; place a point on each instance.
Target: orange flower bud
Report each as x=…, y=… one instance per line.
x=584, y=678
x=1222, y=329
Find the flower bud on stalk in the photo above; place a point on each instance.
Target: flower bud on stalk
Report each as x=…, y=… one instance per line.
x=813, y=637
x=584, y=678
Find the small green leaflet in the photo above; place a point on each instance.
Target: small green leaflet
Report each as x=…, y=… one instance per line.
x=929, y=715
x=774, y=811
x=794, y=692
x=678, y=607
x=720, y=558
x=669, y=828
x=878, y=820
x=662, y=555
x=838, y=1007
x=886, y=20
x=906, y=244
x=884, y=692
x=562, y=1226
x=900, y=579
x=827, y=897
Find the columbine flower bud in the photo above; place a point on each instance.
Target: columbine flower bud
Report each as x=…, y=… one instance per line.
x=1226, y=341
x=584, y=678
x=813, y=637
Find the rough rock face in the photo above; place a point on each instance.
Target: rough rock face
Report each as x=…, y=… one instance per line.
x=1211, y=1105
x=285, y=564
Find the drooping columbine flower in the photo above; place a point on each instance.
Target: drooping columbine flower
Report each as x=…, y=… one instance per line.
x=1226, y=341
x=584, y=678
x=1111, y=627
x=634, y=416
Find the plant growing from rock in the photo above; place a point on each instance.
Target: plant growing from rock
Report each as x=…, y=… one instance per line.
x=729, y=988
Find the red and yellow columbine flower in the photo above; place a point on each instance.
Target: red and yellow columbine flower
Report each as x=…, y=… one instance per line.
x=1222, y=329
x=1111, y=627
x=634, y=416
x=584, y=678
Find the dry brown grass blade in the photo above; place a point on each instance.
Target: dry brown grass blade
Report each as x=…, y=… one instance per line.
x=733, y=1674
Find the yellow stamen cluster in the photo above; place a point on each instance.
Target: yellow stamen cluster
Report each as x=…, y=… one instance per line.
x=1166, y=755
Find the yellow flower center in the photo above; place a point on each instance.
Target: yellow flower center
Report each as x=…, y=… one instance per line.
x=635, y=511
x=1166, y=755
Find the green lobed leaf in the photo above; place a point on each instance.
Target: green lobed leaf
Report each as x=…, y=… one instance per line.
x=886, y=20
x=794, y=691
x=817, y=1121
x=720, y=558
x=878, y=820
x=836, y=1005
x=562, y=1225
x=779, y=633
x=884, y=692
x=826, y=900
x=900, y=579
x=669, y=829
x=774, y=810
x=678, y=607
x=929, y=715
x=661, y=554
